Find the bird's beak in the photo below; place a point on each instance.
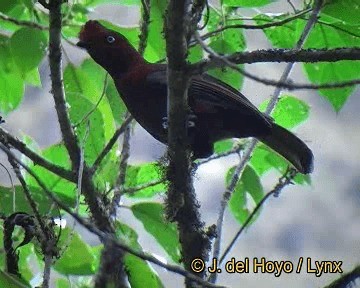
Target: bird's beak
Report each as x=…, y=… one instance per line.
x=82, y=44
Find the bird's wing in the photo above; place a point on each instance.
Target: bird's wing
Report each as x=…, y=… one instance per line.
x=212, y=91
x=208, y=94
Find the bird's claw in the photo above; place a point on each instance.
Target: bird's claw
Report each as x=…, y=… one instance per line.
x=191, y=118
x=165, y=123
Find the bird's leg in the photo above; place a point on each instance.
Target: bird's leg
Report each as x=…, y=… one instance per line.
x=191, y=118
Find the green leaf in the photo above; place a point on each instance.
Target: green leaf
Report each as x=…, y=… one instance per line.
x=329, y=33
x=63, y=283
x=227, y=42
x=10, y=281
x=248, y=185
x=264, y=159
x=64, y=189
x=84, y=89
x=223, y=146
x=196, y=53
x=33, y=78
x=76, y=15
x=289, y=111
x=127, y=235
x=21, y=202
x=28, y=47
x=284, y=36
x=26, y=254
x=155, y=49
x=78, y=257
x=152, y=217
x=333, y=72
x=92, y=3
x=91, y=133
x=145, y=173
x=138, y=270
x=16, y=10
x=11, y=84
x=11, y=91
x=246, y=3
x=347, y=11
x=227, y=75
x=29, y=4
x=116, y=104
x=7, y=5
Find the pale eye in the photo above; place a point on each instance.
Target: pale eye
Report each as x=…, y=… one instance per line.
x=110, y=39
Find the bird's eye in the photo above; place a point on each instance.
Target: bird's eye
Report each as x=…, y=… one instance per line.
x=110, y=39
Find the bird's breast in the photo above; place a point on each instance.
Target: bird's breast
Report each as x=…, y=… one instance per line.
x=147, y=105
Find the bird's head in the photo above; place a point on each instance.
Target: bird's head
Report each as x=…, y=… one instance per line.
x=108, y=48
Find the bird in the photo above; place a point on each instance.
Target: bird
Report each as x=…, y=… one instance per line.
x=218, y=111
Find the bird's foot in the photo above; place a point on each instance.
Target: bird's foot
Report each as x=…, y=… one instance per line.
x=165, y=123
x=191, y=118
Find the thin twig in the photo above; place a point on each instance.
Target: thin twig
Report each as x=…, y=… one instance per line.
x=81, y=166
x=285, y=180
x=292, y=5
x=120, y=181
x=110, y=144
x=256, y=26
x=87, y=115
x=22, y=22
x=12, y=187
x=131, y=190
x=106, y=236
x=7, y=138
x=235, y=150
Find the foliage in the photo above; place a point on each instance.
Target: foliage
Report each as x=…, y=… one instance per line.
x=23, y=50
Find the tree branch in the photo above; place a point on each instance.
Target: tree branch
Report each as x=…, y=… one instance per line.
x=181, y=203
x=7, y=138
x=222, y=61
x=105, y=236
x=120, y=181
x=92, y=196
x=279, y=55
x=22, y=22
x=57, y=86
x=132, y=190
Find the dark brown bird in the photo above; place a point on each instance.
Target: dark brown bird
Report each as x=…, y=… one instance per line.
x=219, y=111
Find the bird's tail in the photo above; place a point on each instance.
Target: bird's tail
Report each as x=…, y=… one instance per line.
x=290, y=147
